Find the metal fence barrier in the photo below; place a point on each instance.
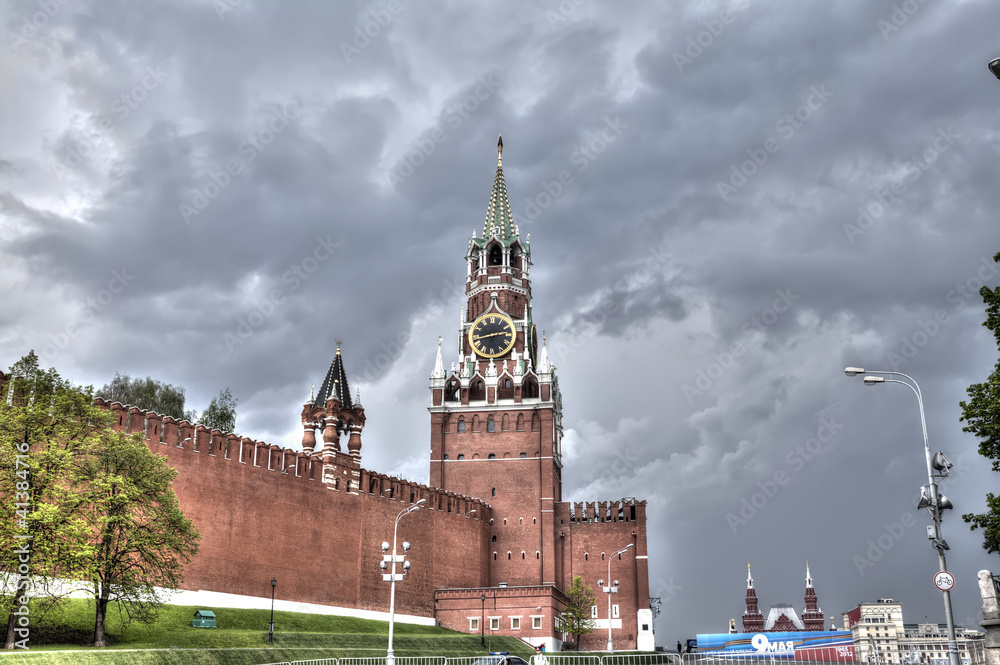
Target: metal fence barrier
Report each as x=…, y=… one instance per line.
x=971, y=652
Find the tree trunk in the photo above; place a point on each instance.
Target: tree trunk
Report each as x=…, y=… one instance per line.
x=100, y=638
x=11, y=622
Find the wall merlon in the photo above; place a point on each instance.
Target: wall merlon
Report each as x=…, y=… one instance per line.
x=186, y=434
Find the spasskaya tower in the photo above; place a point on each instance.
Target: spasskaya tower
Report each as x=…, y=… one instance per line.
x=496, y=435
x=496, y=414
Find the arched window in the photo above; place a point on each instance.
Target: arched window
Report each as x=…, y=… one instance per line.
x=520, y=424
x=494, y=491
x=505, y=521
x=490, y=425
x=461, y=457
x=496, y=255
x=507, y=383
x=602, y=556
x=538, y=555
x=586, y=556
x=529, y=388
x=475, y=423
x=536, y=423
x=492, y=455
x=508, y=556
x=534, y=520
x=494, y=539
x=524, y=455
x=523, y=555
x=522, y=521
x=451, y=390
x=494, y=556
x=477, y=390
x=461, y=425
x=505, y=423
x=446, y=455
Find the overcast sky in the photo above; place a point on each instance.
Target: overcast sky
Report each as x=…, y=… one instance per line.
x=728, y=203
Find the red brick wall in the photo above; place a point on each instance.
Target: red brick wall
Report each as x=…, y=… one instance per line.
x=584, y=543
x=456, y=606
x=321, y=544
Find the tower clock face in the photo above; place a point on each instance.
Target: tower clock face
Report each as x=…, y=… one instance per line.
x=492, y=335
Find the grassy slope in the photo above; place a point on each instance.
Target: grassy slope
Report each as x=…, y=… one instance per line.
x=239, y=641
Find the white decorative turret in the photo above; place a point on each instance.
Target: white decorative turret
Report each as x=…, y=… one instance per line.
x=438, y=363
x=491, y=371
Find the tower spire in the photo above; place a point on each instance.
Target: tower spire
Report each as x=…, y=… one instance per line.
x=809, y=579
x=335, y=383
x=499, y=218
x=753, y=618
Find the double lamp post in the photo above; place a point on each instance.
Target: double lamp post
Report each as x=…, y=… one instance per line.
x=930, y=498
x=611, y=588
x=393, y=577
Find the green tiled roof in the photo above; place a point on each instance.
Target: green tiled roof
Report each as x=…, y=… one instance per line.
x=499, y=219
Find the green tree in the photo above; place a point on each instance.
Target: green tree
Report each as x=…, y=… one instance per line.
x=221, y=412
x=575, y=618
x=982, y=412
x=46, y=425
x=148, y=394
x=141, y=539
x=100, y=504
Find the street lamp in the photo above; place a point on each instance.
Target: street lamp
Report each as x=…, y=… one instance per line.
x=482, y=618
x=929, y=496
x=390, y=659
x=995, y=67
x=610, y=589
x=270, y=634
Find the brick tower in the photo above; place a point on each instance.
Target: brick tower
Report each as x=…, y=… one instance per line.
x=496, y=416
x=753, y=619
x=812, y=615
x=496, y=434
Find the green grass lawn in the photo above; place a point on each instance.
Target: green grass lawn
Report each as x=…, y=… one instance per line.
x=241, y=638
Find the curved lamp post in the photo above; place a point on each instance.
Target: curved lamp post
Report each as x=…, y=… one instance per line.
x=929, y=496
x=392, y=577
x=610, y=589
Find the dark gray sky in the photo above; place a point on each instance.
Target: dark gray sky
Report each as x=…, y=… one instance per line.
x=703, y=270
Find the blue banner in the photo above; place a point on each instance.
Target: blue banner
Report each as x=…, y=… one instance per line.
x=826, y=645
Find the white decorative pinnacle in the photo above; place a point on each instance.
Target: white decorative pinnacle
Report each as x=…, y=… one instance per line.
x=543, y=358
x=749, y=577
x=492, y=370
x=438, y=363
x=464, y=373
x=809, y=579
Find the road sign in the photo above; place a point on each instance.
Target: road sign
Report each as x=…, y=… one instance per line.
x=944, y=580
